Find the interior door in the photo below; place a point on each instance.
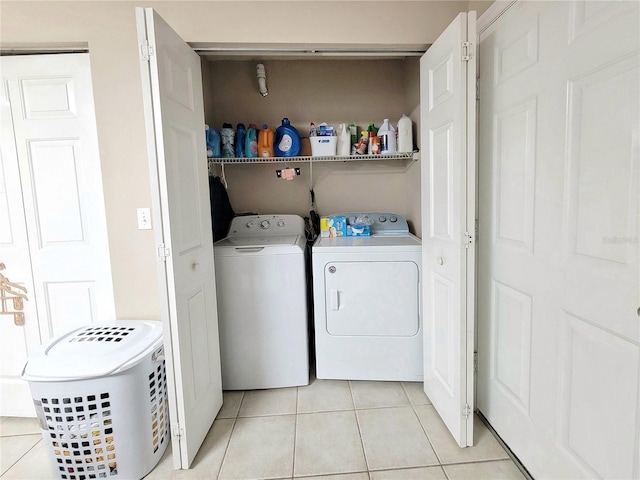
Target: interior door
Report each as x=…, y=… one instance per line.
x=53, y=232
x=447, y=116
x=559, y=271
x=172, y=85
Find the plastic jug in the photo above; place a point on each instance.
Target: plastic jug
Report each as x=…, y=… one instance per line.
x=286, y=141
x=387, y=136
x=265, y=142
x=240, y=132
x=228, y=135
x=344, y=141
x=213, y=142
x=405, y=135
x=251, y=141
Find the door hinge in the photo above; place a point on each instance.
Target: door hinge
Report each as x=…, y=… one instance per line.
x=475, y=362
x=467, y=51
x=177, y=431
x=163, y=252
x=467, y=238
x=466, y=411
x=146, y=50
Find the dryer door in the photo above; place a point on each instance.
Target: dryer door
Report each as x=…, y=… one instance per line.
x=372, y=298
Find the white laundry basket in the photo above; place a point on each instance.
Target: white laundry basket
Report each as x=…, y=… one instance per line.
x=100, y=394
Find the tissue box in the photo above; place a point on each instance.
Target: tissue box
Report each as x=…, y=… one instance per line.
x=323, y=146
x=333, y=226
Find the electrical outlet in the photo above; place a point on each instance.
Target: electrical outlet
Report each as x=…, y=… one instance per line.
x=144, y=219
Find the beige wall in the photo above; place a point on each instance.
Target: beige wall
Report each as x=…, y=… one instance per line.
x=333, y=91
x=109, y=30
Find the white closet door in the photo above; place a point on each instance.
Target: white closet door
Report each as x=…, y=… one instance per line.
x=54, y=234
x=559, y=277
x=172, y=85
x=447, y=112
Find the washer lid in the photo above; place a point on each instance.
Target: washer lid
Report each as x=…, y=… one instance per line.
x=258, y=241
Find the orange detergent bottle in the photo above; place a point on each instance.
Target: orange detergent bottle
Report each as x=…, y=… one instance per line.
x=265, y=142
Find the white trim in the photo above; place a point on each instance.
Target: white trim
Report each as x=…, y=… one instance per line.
x=492, y=13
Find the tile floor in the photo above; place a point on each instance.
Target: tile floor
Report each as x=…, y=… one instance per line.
x=342, y=430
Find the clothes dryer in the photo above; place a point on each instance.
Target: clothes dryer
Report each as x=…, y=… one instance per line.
x=262, y=303
x=367, y=302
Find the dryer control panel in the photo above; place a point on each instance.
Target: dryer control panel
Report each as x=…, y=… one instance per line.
x=382, y=223
x=266, y=225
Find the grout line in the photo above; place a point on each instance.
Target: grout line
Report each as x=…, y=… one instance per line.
x=233, y=427
x=295, y=435
x=5, y=474
x=424, y=429
x=355, y=413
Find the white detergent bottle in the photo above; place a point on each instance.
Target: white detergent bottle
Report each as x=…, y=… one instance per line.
x=387, y=136
x=405, y=135
x=344, y=141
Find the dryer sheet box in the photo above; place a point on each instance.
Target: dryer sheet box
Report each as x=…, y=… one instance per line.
x=337, y=226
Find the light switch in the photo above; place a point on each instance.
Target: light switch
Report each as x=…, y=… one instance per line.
x=144, y=219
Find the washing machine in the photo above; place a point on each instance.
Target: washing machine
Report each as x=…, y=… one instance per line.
x=367, y=302
x=262, y=303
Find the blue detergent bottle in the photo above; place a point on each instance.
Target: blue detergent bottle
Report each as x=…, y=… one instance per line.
x=286, y=140
x=240, y=131
x=251, y=141
x=213, y=142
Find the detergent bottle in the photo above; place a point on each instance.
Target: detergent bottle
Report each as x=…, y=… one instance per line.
x=286, y=140
x=405, y=135
x=240, y=132
x=265, y=142
x=387, y=136
x=213, y=142
x=344, y=141
x=251, y=141
x=228, y=135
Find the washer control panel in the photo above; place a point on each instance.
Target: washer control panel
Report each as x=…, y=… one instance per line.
x=251, y=225
x=381, y=223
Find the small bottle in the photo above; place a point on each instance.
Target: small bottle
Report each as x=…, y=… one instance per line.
x=251, y=141
x=240, y=133
x=228, y=135
x=405, y=135
x=353, y=131
x=363, y=144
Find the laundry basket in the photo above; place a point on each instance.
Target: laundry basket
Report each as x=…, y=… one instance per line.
x=100, y=394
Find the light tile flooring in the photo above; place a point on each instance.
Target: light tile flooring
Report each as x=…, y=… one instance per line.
x=330, y=429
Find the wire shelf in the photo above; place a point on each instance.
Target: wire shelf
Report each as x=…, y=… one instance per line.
x=350, y=158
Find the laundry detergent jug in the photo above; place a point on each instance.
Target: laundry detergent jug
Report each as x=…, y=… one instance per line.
x=286, y=142
x=213, y=142
x=251, y=141
x=265, y=142
x=240, y=132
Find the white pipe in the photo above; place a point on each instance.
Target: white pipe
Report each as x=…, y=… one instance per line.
x=262, y=80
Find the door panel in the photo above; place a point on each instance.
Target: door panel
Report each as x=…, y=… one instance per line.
x=447, y=100
x=53, y=200
x=558, y=278
x=172, y=88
